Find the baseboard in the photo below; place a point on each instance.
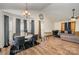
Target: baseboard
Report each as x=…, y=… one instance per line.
x=48, y=33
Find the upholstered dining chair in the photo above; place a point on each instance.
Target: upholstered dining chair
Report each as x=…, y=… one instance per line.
x=19, y=42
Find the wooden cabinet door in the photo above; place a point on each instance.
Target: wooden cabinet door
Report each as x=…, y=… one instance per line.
x=73, y=27
x=63, y=27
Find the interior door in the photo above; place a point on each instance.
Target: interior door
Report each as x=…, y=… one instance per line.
x=6, y=30
x=18, y=26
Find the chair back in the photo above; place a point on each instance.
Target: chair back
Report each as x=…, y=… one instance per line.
x=19, y=40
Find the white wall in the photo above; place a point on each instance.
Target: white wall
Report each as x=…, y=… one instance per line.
x=12, y=26
x=34, y=16
x=1, y=30
x=77, y=25
x=47, y=24
x=58, y=12
x=57, y=26
x=13, y=14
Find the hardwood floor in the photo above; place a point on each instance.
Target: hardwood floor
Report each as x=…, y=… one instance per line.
x=52, y=46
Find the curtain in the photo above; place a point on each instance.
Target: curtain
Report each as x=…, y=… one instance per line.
x=17, y=26
x=69, y=27
x=6, y=30
x=66, y=28
x=25, y=25
x=32, y=26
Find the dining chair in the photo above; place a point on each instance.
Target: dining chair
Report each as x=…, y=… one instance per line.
x=19, y=42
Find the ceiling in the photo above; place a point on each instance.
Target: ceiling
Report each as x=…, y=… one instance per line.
x=22, y=6
x=61, y=11
x=56, y=10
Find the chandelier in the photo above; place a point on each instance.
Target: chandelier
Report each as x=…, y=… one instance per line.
x=26, y=13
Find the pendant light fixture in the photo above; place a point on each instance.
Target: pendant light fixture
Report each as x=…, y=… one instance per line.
x=73, y=18
x=26, y=13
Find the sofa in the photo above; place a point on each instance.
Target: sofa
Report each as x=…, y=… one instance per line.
x=69, y=37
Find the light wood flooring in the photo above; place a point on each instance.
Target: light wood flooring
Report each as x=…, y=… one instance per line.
x=51, y=46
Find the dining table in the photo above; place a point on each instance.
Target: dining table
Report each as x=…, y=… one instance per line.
x=28, y=37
